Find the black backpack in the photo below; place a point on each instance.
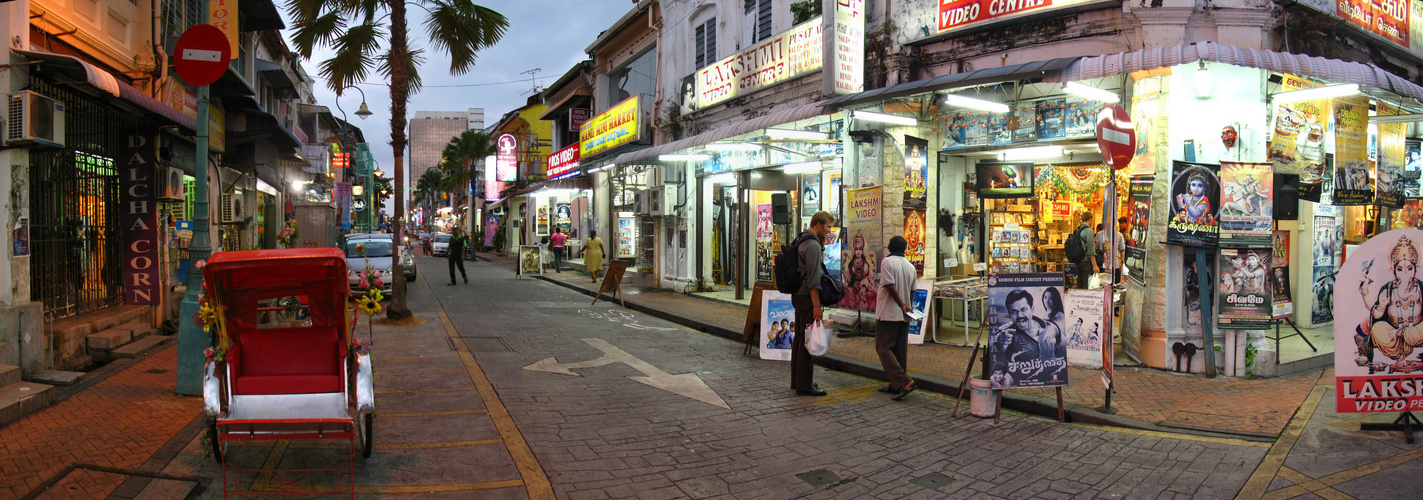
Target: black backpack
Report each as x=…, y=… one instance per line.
x=787, y=268
x=1076, y=246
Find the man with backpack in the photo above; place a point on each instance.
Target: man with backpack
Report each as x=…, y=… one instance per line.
x=1081, y=249
x=809, y=251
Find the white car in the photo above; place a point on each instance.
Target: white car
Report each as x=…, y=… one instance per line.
x=378, y=252
x=441, y=245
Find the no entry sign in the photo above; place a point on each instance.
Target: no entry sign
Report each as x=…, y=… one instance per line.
x=1116, y=136
x=202, y=55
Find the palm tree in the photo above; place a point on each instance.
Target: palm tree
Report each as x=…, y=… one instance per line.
x=461, y=154
x=427, y=188
x=356, y=32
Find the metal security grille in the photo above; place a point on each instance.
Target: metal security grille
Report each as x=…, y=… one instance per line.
x=76, y=238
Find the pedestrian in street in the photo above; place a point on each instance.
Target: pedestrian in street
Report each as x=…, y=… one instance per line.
x=1088, y=266
x=593, y=254
x=810, y=253
x=426, y=243
x=455, y=254
x=556, y=245
x=896, y=278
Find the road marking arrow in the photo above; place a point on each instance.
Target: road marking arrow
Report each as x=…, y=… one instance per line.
x=687, y=384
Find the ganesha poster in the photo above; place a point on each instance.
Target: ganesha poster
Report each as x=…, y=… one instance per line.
x=1378, y=331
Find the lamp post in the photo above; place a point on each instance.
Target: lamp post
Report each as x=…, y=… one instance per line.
x=363, y=112
x=375, y=200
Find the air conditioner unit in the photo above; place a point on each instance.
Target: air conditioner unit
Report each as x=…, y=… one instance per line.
x=33, y=119
x=170, y=187
x=661, y=200
x=231, y=208
x=639, y=202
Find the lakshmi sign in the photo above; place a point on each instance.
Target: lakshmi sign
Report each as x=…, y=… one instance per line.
x=1376, y=331
x=618, y=125
x=789, y=55
x=563, y=164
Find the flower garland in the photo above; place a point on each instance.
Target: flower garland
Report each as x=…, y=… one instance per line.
x=288, y=235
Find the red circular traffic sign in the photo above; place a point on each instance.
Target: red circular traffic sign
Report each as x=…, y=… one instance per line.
x=1116, y=136
x=202, y=55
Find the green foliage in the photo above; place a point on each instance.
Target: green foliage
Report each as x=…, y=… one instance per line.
x=461, y=154
x=806, y=10
x=1250, y=352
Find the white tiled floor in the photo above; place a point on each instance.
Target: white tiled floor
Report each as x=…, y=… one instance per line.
x=1293, y=348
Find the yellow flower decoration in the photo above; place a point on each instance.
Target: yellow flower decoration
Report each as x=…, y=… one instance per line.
x=370, y=304
x=207, y=316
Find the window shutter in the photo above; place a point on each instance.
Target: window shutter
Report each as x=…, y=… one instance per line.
x=700, y=47
x=711, y=40
x=763, y=21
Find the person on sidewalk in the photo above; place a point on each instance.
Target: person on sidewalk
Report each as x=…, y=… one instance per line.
x=1120, y=250
x=593, y=254
x=807, y=301
x=556, y=245
x=456, y=255
x=1088, y=266
x=896, y=277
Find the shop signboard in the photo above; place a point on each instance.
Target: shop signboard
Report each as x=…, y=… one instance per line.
x=845, y=48
x=507, y=157
x=914, y=235
x=563, y=164
x=1246, y=211
x=1195, y=205
x=1280, y=276
x=492, y=184
x=791, y=54
x=765, y=253
x=619, y=125
x=1084, y=329
x=1385, y=18
x=1004, y=180
x=863, y=247
x=1352, y=182
x=919, y=303
x=1297, y=143
x=777, y=325
x=1242, y=290
x=959, y=15
x=1376, y=367
x=1390, y=158
x=1027, y=318
x=916, y=170
x=577, y=117
x=140, y=219
x=1139, y=218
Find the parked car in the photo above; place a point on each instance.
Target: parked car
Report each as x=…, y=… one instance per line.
x=441, y=246
x=378, y=250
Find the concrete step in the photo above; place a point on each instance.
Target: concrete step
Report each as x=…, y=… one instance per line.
x=139, y=329
x=108, y=340
x=23, y=398
x=56, y=377
x=137, y=347
x=9, y=374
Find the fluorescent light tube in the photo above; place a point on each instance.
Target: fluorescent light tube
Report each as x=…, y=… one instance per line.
x=722, y=179
x=780, y=133
x=1033, y=153
x=802, y=168
x=1316, y=93
x=683, y=157
x=1413, y=118
x=890, y=119
x=733, y=146
x=979, y=104
x=1090, y=92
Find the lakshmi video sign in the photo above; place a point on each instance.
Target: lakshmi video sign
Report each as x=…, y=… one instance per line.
x=921, y=19
x=789, y=55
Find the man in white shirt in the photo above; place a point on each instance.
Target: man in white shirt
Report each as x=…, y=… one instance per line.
x=1120, y=249
x=896, y=277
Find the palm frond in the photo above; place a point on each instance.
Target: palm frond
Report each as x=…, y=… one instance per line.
x=354, y=56
x=462, y=29
x=313, y=29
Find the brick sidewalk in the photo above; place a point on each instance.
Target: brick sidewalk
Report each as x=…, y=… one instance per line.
x=118, y=423
x=1254, y=406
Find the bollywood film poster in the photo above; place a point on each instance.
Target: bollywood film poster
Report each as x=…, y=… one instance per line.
x=916, y=171
x=1026, y=344
x=1297, y=141
x=1193, y=293
x=542, y=228
x=563, y=217
x=1085, y=329
x=1323, y=310
x=1242, y=289
x=1138, y=218
x=864, y=244
x=919, y=302
x=1280, y=275
x=809, y=194
x=1378, y=331
x=1150, y=125
x=777, y=325
x=1246, y=211
x=765, y=253
x=833, y=244
x=1324, y=244
x=1410, y=216
x=530, y=259
x=914, y=235
x=1352, y=183
x=1195, y=205
x=1392, y=151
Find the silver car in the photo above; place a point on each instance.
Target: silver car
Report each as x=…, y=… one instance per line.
x=378, y=252
x=441, y=245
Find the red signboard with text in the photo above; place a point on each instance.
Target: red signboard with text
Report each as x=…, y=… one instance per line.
x=577, y=117
x=959, y=14
x=141, y=281
x=1386, y=18
x=563, y=164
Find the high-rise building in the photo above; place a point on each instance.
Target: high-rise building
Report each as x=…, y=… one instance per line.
x=430, y=131
x=476, y=118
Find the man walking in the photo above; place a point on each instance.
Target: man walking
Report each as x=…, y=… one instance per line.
x=1088, y=266
x=896, y=277
x=810, y=253
x=556, y=245
x=456, y=254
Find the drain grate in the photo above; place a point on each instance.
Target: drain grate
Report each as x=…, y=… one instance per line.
x=933, y=481
x=818, y=478
x=482, y=344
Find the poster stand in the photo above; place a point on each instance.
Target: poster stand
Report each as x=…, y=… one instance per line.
x=968, y=370
x=750, y=332
x=855, y=329
x=1405, y=422
x=1296, y=333
x=613, y=281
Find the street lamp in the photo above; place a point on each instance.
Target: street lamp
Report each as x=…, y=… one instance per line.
x=363, y=112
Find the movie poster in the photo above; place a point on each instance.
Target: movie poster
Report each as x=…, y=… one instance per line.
x=1298, y=140
x=563, y=217
x=1024, y=123
x=491, y=229
x=809, y=194
x=1411, y=216
x=832, y=252
x=914, y=235
x=1324, y=245
x=1139, y=219
x=1352, y=185
x=1246, y=211
x=1392, y=151
x=542, y=221
x=832, y=196
x=1051, y=119
x=1027, y=318
x=1192, y=292
x=765, y=253
x=1280, y=275
x=863, y=248
x=1081, y=116
x=1376, y=356
x=530, y=259
x=916, y=171
x=777, y=325
x=1150, y=128
x=1323, y=311
x=919, y=302
x=1243, y=289
x=1085, y=328
x=1195, y=205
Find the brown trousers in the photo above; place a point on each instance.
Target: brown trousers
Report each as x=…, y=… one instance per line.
x=892, y=346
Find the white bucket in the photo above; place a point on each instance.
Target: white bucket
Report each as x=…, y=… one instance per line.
x=981, y=402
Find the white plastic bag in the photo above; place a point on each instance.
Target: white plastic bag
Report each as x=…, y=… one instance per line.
x=818, y=339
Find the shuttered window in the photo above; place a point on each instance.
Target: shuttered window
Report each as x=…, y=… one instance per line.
x=705, y=43
x=763, y=21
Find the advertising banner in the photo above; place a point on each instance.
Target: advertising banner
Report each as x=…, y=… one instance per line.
x=1377, y=331
x=1246, y=211
x=919, y=302
x=1352, y=183
x=914, y=235
x=1195, y=205
x=916, y=170
x=541, y=222
x=765, y=254
x=809, y=194
x=343, y=205
x=777, y=325
x=618, y=125
x=1324, y=245
x=782, y=57
x=1026, y=317
x=863, y=247
x=1244, y=298
x=1392, y=148
x=1084, y=329
x=507, y=158
x=1284, y=306
x=137, y=182
x=491, y=228
x=1297, y=141
x=1139, y=219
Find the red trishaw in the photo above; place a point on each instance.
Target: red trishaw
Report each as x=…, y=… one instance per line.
x=282, y=364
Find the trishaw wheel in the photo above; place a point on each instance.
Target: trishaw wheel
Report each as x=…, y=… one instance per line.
x=365, y=424
x=215, y=444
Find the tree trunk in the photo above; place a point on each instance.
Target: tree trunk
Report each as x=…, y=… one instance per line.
x=399, y=94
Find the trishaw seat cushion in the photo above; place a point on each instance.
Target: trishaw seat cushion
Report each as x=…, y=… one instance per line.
x=287, y=361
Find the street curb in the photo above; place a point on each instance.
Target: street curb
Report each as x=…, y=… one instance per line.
x=1034, y=405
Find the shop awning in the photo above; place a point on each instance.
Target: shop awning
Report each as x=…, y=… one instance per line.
x=274, y=73
x=1322, y=68
x=1026, y=71
x=106, y=83
x=781, y=117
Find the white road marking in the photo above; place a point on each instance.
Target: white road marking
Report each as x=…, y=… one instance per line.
x=687, y=384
